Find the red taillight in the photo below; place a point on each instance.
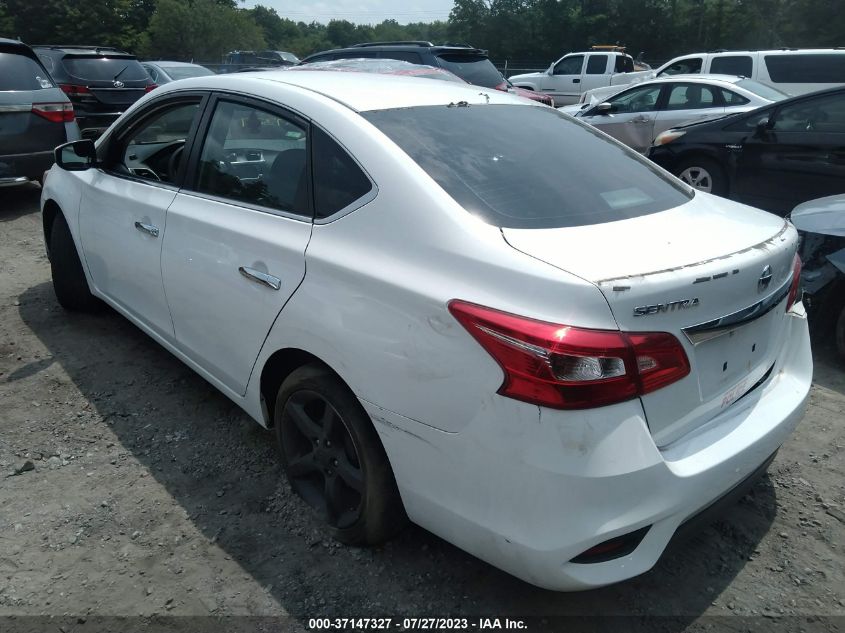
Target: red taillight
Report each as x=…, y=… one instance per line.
x=794, y=297
x=150, y=87
x=55, y=112
x=74, y=91
x=564, y=367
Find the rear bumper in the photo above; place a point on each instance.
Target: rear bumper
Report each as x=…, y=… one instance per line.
x=531, y=491
x=30, y=166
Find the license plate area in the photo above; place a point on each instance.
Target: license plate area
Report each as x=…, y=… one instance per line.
x=726, y=365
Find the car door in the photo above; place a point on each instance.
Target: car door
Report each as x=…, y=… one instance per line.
x=123, y=207
x=596, y=73
x=631, y=116
x=801, y=156
x=564, y=82
x=237, y=233
x=687, y=102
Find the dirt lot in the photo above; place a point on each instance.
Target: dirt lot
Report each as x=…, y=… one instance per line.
x=150, y=493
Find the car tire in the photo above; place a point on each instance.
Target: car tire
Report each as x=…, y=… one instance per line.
x=703, y=174
x=333, y=457
x=840, y=333
x=69, y=282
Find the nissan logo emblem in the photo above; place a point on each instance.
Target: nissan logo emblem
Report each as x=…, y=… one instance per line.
x=765, y=279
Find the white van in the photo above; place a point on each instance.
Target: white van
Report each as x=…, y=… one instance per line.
x=794, y=71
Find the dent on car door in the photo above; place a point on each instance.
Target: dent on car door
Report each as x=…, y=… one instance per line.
x=631, y=117
x=235, y=248
x=124, y=206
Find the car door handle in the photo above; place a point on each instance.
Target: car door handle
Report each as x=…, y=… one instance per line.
x=642, y=119
x=576, y=81
x=260, y=278
x=147, y=228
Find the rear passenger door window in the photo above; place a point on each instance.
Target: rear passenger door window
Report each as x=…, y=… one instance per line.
x=256, y=156
x=732, y=65
x=691, y=97
x=339, y=183
x=686, y=66
x=733, y=99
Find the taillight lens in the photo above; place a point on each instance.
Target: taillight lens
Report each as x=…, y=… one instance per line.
x=150, y=87
x=564, y=367
x=55, y=112
x=74, y=91
x=794, y=294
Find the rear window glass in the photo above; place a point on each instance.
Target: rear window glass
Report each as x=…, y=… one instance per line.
x=806, y=68
x=101, y=68
x=529, y=166
x=19, y=72
x=474, y=69
x=185, y=72
x=732, y=65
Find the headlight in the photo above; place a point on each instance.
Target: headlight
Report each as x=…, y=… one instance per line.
x=667, y=137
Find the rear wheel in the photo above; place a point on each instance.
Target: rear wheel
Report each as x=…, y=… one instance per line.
x=334, y=459
x=703, y=174
x=69, y=282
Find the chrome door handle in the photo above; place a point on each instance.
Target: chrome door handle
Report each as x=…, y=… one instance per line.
x=642, y=119
x=259, y=277
x=147, y=228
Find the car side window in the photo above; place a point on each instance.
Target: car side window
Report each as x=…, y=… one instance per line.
x=826, y=114
x=596, y=64
x=338, y=180
x=686, y=66
x=733, y=99
x=690, y=97
x=642, y=99
x=152, y=72
x=570, y=65
x=255, y=156
x=732, y=65
x=405, y=56
x=154, y=150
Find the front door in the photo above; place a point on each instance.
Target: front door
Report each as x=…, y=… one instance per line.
x=631, y=117
x=236, y=235
x=564, y=83
x=123, y=209
x=800, y=157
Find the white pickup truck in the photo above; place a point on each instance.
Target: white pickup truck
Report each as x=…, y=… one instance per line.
x=576, y=73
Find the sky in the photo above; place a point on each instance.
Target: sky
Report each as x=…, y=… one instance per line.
x=358, y=11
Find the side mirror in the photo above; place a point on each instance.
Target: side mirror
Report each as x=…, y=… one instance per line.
x=762, y=126
x=604, y=108
x=76, y=155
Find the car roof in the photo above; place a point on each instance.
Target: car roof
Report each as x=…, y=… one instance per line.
x=82, y=50
x=7, y=42
x=357, y=91
x=167, y=64
x=407, y=46
x=698, y=78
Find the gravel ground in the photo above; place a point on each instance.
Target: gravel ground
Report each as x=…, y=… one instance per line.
x=144, y=492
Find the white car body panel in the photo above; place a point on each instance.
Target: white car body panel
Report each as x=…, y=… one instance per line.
x=369, y=298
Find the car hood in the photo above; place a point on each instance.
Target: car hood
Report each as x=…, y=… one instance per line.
x=526, y=76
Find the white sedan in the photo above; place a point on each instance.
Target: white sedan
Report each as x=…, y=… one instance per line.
x=538, y=346
x=636, y=114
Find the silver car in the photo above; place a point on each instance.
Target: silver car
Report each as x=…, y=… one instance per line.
x=637, y=114
x=163, y=72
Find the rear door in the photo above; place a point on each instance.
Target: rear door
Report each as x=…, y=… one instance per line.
x=236, y=235
x=686, y=103
x=632, y=117
x=596, y=71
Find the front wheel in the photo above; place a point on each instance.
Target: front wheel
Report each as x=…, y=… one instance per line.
x=334, y=459
x=69, y=282
x=703, y=174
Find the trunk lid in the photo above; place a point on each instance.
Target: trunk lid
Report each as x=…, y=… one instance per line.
x=711, y=272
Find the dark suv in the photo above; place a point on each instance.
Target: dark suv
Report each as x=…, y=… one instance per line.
x=470, y=64
x=100, y=81
x=35, y=116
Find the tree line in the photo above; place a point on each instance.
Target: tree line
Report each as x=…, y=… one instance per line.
x=526, y=31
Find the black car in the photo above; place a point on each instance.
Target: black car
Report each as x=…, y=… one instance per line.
x=470, y=64
x=773, y=157
x=35, y=115
x=100, y=81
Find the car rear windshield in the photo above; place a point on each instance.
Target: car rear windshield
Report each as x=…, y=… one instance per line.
x=102, y=68
x=529, y=166
x=21, y=72
x=185, y=72
x=762, y=90
x=475, y=69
